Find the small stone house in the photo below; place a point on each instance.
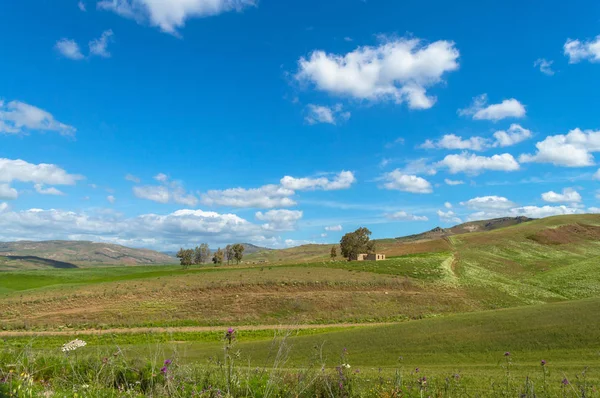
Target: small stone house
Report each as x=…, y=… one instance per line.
x=369, y=257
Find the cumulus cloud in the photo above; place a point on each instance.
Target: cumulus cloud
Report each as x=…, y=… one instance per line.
x=489, y=203
x=279, y=220
x=170, y=15
x=171, y=231
x=419, y=166
x=479, y=110
x=399, y=69
x=39, y=188
x=81, y=6
x=111, y=199
x=343, y=180
x=453, y=182
x=3, y=207
x=397, y=180
x=571, y=150
x=168, y=192
x=7, y=192
x=448, y=217
x=325, y=114
x=20, y=118
x=514, y=135
x=20, y=170
x=544, y=65
x=587, y=50
x=69, y=48
x=568, y=195
x=404, y=216
x=99, y=46
x=336, y=228
x=526, y=211
x=265, y=197
x=474, y=164
x=448, y=205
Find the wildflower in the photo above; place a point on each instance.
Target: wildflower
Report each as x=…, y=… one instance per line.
x=73, y=345
x=543, y=362
x=565, y=382
x=507, y=354
x=416, y=370
x=346, y=366
x=230, y=334
x=164, y=370
x=456, y=376
x=168, y=362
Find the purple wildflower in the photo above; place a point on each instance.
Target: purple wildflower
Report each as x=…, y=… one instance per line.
x=543, y=362
x=416, y=370
x=565, y=382
x=163, y=370
x=168, y=362
x=507, y=354
x=230, y=335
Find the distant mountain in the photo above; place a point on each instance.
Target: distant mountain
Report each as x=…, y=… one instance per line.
x=472, y=226
x=80, y=253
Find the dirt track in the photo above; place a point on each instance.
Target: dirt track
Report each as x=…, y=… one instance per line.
x=183, y=329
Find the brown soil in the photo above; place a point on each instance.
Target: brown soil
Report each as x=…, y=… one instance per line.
x=567, y=234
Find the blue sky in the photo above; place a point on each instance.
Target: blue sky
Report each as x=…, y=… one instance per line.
x=161, y=125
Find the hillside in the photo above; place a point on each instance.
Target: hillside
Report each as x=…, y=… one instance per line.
x=78, y=253
x=472, y=226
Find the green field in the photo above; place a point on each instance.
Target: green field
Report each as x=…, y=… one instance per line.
x=531, y=289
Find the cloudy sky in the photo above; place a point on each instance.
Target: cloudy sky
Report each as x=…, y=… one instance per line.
x=166, y=124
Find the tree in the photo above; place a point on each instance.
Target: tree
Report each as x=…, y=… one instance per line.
x=238, y=252
x=229, y=253
x=354, y=243
x=186, y=257
x=205, y=253
x=333, y=253
x=218, y=257
x=371, y=249
x=197, y=255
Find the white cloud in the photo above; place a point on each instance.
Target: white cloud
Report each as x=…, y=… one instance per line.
x=448, y=205
x=111, y=199
x=155, y=193
x=578, y=51
x=20, y=170
x=396, y=180
x=132, y=178
x=404, y=216
x=323, y=235
x=161, y=177
x=419, y=166
x=7, y=192
x=398, y=69
x=473, y=164
x=481, y=111
x=526, y=211
x=596, y=175
x=295, y=243
x=448, y=217
x=514, y=135
x=265, y=197
x=342, y=180
x=3, y=207
x=571, y=150
x=279, y=220
x=324, y=114
x=171, y=15
x=568, y=195
x=81, y=6
x=489, y=203
x=170, y=231
x=99, y=46
x=544, y=65
x=453, y=182
x=452, y=141
x=39, y=188
x=594, y=210
x=169, y=191
x=19, y=118
x=69, y=49
x=336, y=228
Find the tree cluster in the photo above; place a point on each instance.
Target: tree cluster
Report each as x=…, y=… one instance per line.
x=202, y=254
x=354, y=243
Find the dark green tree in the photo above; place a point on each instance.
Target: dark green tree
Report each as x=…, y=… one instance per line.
x=197, y=255
x=333, y=253
x=218, y=257
x=229, y=253
x=238, y=252
x=354, y=243
x=186, y=257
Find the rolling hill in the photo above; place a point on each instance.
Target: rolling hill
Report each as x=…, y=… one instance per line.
x=45, y=254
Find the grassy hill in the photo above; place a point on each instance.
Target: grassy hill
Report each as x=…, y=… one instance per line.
x=78, y=253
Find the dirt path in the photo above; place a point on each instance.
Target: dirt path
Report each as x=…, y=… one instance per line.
x=185, y=329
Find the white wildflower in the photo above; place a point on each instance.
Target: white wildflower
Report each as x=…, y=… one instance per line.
x=346, y=366
x=73, y=345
